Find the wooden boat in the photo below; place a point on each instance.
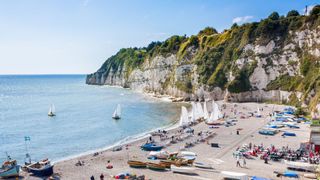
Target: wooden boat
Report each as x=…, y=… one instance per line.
x=9, y=169
x=151, y=147
x=157, y=167
x=168, y=163
x=202, y=165
x=41, y=168
x=234, y=175
x=137, y=164
x=183, y=170
x=300, y=166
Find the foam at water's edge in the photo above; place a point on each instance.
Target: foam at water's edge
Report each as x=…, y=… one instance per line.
x=127, y=140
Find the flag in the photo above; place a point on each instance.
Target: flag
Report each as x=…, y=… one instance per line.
x=27, y=138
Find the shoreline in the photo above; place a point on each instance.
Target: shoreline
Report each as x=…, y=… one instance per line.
x=129, y=139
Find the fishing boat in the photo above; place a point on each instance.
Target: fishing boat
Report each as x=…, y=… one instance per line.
x=52, y=110
x=168, y=163
x=183, y=170
x=159, y=154
x=157, y=167
x=202, y=165
x=151, y=147
x=9, y=168
x=41, y=168
x=117, y=112
x=137, y=164
x=234, y=175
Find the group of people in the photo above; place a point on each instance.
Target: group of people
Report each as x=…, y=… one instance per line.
x=101, y=177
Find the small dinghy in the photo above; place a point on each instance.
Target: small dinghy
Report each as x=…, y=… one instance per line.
x=151, y=147
x=41, y=168
x=202, y=165
x=288, y=134
x=234, y=175
x=159, y=154
x=187, y=153
x=183, y=170
x=157, y=167
x=137, y=164
x=9, y=169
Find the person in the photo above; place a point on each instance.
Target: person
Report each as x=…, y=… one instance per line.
x=244, y=162
x=101, y=176
x=92, y=177
x=238, y=161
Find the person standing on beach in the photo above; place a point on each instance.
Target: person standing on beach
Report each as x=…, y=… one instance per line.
x=244, y=162
x=238, y=161
x=101, y=177
x=92, y=177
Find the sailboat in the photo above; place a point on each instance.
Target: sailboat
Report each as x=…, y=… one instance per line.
x=52, y=110
x=184, y=120
x=215, y=115
x=117, y=112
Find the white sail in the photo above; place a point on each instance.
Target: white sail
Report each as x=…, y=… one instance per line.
x=184, y=119
x=117, y=112
x=200, y=110
x=215, y=114
x=220, y=115
x=193, y=112
x=52, y=110
x=205, y=111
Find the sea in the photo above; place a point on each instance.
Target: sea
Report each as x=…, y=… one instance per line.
x=83, y=121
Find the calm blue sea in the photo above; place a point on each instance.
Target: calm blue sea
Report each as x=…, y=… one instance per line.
x=83, y=122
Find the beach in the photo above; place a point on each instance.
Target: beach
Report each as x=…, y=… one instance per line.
x=220, y=158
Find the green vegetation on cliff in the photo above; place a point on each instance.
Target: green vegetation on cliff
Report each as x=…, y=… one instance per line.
x=215, y=55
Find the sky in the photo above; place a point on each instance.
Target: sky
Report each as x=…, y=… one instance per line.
x=77, y=36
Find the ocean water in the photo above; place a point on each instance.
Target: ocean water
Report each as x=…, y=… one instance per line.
x=83, y=122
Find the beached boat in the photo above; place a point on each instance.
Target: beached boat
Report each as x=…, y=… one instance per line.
x=288, y=134
x=216, y=115
x=159, y=154
x=168, y=163
x=117, y=112
x=52, y=110
x=151, y=147
x=9, y=168
x=269, y=132
x=137, y=164
x=183, y=170
x=187, y=153
x=310, y=176
x=202, y=165
x=41, y=168
x=157, y=167
x=234, y=175
x=300, y=166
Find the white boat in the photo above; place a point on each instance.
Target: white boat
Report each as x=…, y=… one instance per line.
x=202, y=165
x=187, y=153
x=117, y=112
x=300, y=166
x=52, y=110
x=183, y=170
x=159, y=154
x=184, y=119
x=234, y=175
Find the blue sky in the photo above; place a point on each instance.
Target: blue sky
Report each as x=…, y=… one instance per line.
x=76, y=36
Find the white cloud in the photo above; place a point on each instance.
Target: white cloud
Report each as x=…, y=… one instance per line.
x=309, y=8
x=241, y=20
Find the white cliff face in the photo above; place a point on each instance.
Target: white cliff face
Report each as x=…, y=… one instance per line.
x=163, y=74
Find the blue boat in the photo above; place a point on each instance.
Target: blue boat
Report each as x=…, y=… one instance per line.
x=290, y=174
x=151, y=147
x=41, y=169
x=288, y=134
x=267, y=132
x=9, y=169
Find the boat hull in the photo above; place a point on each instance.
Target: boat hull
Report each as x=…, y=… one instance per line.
x=137, y=164
x=12, y=172
x=156, y=167
x=182, y=170
x=47, y=171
